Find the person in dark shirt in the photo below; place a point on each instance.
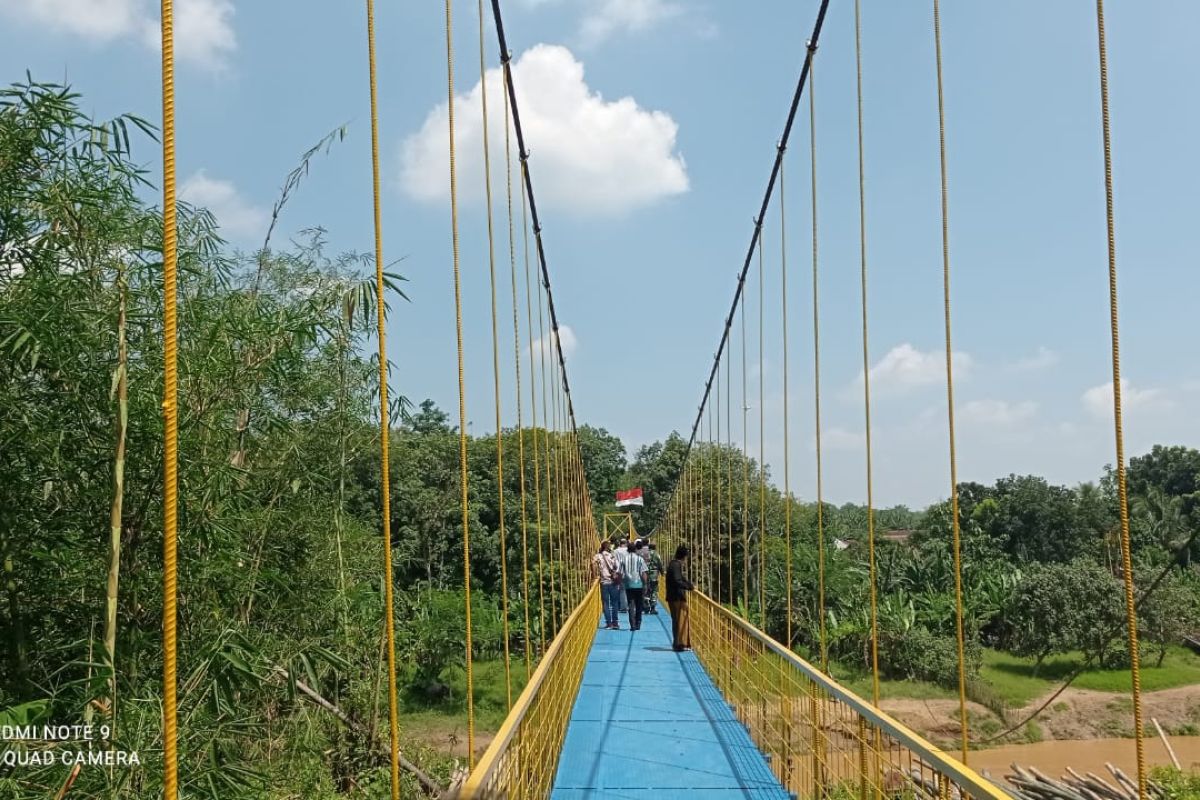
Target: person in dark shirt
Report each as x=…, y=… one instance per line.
x=654, y=570
x=677, y=588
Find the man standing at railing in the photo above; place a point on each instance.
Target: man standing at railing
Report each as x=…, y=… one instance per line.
x=677, y=588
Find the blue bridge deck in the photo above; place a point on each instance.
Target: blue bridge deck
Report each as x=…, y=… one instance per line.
x=649, y=723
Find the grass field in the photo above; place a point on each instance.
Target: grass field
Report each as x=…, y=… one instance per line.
x=860, y=684
x=491, y=694
x=1013, y=677
x=1009, y=677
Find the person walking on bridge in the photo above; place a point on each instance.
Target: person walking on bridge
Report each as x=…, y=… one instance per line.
x=622, y=554
x=608, y=572
x=634, y=570
x=677, y=588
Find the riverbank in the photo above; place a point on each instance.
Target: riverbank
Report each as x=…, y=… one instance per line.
x=1075, y=714
x=1053, y=757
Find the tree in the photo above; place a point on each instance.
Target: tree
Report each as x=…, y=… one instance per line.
x=604, y=463
x=81, y=348
x=1060, y=607
x=1160, y=526
x=1164, y=476
x=656, y=468
x=1169, y=613
x=1174, y=470
x=1036, y=521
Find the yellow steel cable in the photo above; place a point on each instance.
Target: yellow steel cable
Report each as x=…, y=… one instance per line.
x=389, y=624
x=729, y=468
x=714, y=535
x=561, y=498
x=462, y=397
x=563, y=586
x=1118, y=424
x=556, y=542
x=690, y=533
x=954, y=524
x=745, y=473
x=567, y=503
x=706, y=500
x=718, y=517
x=572, y=504
x=170, y=412
x=812, y=139
x=700, y=521
x=533, y=379
x=583, y=546
x=787, y=479
x=587, y=538
x=543, y=345
x=556, y=533
x=762, y=464
x=707, y=487
x=574, y=521
x=512, y=263
x=718, y=493
x=862, y=247
x=487, y=184
x=714, y=542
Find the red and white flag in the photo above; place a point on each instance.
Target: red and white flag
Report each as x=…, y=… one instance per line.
x=630, y=497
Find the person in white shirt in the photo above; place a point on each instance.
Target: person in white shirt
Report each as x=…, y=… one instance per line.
x=622, y=553
x=608, y=572
x=634, y=570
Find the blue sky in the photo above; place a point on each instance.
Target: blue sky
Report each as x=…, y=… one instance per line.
x=657, y=122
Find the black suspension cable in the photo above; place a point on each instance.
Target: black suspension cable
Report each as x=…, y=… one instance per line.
x=780, y=150
x=523, y=155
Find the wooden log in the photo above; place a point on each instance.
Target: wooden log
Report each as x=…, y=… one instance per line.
x=429, y=784
x=1167, y=743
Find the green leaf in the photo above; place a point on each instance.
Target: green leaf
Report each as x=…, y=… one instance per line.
x=29, y=713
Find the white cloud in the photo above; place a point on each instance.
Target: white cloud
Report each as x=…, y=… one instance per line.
x=1044, y=358
x=608, y=17
x=99, y=20
x=1098, y=400
x=906, y=367
x=586, y=154
x=238, y=218
x=204, y=31
x=570, y=343
x=203, y=28
x=603, y=19
x=998, y=412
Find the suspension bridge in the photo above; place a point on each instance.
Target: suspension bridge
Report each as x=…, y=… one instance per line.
x=615, y=714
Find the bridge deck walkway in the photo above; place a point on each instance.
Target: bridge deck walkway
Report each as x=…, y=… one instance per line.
x=649, y=723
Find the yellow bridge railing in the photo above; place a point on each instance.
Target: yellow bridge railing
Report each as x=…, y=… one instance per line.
x=821, y=739
x=521, y=761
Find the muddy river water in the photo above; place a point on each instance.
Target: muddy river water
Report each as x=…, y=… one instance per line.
x=1053, y=757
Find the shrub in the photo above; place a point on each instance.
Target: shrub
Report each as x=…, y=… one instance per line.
x=1177, y=784
x=918, y=654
